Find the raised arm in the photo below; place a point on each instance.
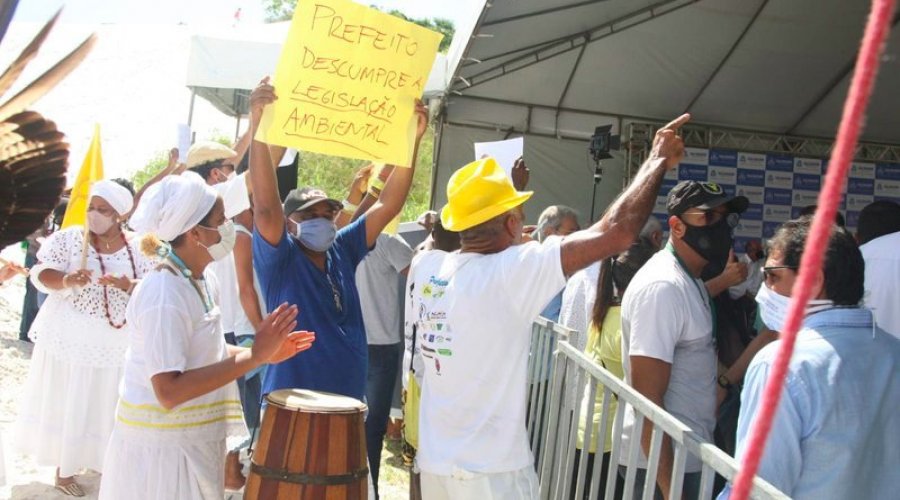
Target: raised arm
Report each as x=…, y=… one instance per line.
x=171, y=169
x=243, y=266
x=355, y=196
x=275, y=342
x=397, y=187
x=268, y=215
x=623, y=221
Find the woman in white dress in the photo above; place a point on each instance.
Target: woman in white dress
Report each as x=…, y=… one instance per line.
x=67, y=411
x=179, y=402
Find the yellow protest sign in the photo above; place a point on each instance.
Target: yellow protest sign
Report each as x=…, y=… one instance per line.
x=347, y=80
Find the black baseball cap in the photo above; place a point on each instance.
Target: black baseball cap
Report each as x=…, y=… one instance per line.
x=305, y=197
x=704, y=196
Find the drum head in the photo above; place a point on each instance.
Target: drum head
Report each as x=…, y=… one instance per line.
x=314, y=401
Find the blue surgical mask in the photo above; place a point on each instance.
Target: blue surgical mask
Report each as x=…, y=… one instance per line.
x=316, y=234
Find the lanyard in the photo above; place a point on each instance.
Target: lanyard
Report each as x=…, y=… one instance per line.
x=709, y=300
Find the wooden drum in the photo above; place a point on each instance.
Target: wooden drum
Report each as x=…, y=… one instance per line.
x=311, y=445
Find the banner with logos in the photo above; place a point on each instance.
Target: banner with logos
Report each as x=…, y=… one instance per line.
x=778, y=186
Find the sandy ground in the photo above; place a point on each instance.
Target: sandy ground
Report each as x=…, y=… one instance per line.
x=25, y=480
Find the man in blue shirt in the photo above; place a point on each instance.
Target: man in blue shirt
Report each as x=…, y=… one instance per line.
x=835, y=431
x=301, y=258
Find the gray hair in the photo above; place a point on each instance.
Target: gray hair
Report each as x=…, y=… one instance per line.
x=553, y=217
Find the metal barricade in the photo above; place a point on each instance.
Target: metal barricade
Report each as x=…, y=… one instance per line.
x=553, y=428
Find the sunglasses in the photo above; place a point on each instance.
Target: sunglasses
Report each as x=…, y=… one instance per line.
x=711, y=217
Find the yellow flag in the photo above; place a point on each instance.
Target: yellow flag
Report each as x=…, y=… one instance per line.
x=91, y=171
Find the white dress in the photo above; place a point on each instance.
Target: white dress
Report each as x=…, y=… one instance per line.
x=68, y=407
x=159, y=454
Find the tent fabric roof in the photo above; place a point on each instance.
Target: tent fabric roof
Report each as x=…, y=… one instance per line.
x=780, y=66
x=224, y=66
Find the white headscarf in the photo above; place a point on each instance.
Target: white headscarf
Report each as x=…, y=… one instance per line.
x=173, y=206
x=115, y=194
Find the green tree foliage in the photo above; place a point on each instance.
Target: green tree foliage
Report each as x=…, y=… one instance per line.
x=283, y=10
x=332, y=174
x=161, y=159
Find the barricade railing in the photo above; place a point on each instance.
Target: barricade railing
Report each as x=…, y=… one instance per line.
x=553, y=425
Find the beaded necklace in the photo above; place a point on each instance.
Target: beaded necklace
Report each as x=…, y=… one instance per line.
x=175, y=261
x=106, y=287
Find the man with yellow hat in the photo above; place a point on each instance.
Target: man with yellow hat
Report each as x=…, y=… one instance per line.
x=472, y=311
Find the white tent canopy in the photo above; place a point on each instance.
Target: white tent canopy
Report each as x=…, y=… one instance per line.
x=552, y=70
x=224, y=67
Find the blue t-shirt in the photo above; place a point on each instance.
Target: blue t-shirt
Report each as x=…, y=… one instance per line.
x=337, y=360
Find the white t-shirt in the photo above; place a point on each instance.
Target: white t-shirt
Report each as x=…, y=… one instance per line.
x=473, y=315
x=666, y=315
x=173, y=332
x=378, y=282
x=882, y=256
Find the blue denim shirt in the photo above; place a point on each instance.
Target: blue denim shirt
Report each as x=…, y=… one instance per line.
x=836, y=432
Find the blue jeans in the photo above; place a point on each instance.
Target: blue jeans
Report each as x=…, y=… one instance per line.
x=384, y=363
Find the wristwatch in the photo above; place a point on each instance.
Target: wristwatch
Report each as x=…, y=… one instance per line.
x=723, y=382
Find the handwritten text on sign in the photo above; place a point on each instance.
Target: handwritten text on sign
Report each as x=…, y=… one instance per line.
x=347, y=80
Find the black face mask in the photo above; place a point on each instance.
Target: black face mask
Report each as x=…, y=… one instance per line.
x=712, y=243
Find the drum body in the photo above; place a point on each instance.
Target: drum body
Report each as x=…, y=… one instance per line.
x=312, y=445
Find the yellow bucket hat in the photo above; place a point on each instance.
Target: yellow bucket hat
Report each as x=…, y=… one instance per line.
x=477, y=193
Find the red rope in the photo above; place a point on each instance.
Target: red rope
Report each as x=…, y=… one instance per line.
x=877, y=29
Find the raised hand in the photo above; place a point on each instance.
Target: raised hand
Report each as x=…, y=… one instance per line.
x=262, y=96
x=295, y=343
x=735, y=272
x=361, y=179
x=422, y=116
x=520, y=174
x=273, y=332
x=173, y=159
x=667, y=144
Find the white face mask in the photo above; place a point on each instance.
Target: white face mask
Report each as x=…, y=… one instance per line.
x=226, y=242
x=99, y=223
x=773, y=307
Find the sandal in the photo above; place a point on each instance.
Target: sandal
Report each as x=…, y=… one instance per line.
x=72, y=489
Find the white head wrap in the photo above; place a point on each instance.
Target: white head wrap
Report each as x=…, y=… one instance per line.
x=115, y=194
x=173, y=206
x=235, y=195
